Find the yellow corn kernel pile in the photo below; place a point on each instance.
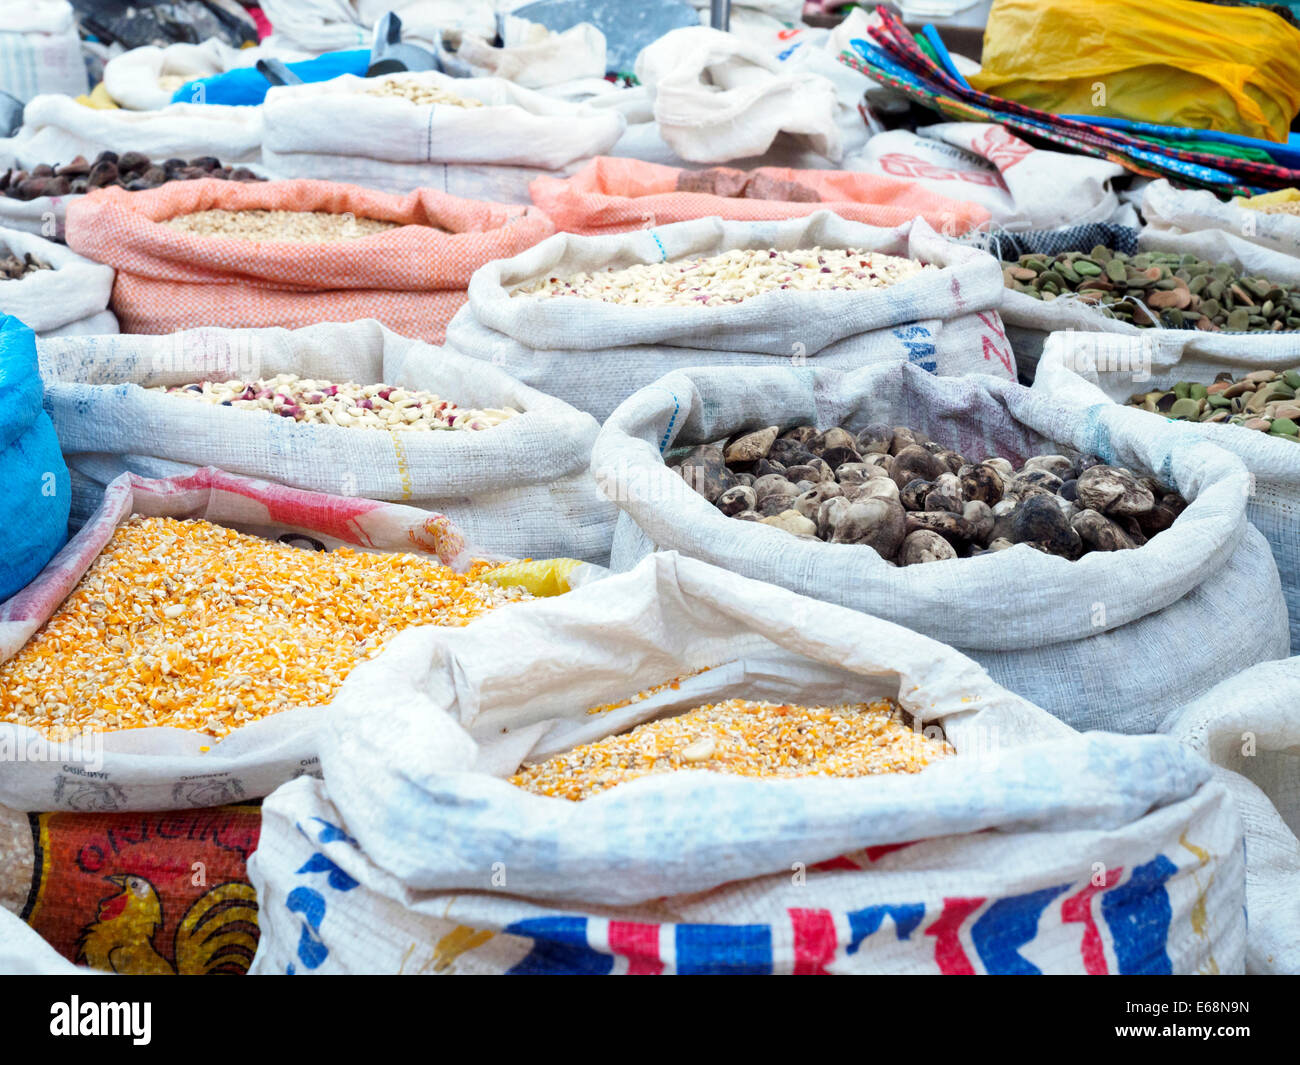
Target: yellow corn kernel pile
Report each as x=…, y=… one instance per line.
x=749, y=739
x=196, y=626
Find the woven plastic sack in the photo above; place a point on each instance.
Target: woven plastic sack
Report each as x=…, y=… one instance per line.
x=1179, y=63
x=43, y=217
x=530, y=54
x=146, y=79
x=138, y=894
x=1246, y=728
x=40, y=51
x=411, y=278
x=593, y=354
x=611, y=195
x=1087, y=369
x=1028, y=320
x=413, y=855
x=986, y=163
x=24, y=953
x=337, y=129
x=522, y=488
x=70, y=299
x=169, y=768
x=719, y=98
x=57, y=128
x=1085, y=640
x=1196, y=221
x=36, y=497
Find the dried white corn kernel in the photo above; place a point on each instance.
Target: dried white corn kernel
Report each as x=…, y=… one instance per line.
x=731, y=277
x=293, y=226
x=418, y=93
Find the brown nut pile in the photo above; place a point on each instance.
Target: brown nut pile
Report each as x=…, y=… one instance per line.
x=13, y=268
x=913, y=500
x=130, y=170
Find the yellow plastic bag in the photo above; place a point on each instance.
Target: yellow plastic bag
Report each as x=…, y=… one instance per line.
x=543, y=577
x=1283, y=201
x=98, y=99
x=1173, y=62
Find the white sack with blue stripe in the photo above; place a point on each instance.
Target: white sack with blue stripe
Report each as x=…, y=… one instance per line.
x=1032, y=849
x=1115, y=640
x=1087, y=370
x=594, y=354
x=40, y=51
x=521, y=488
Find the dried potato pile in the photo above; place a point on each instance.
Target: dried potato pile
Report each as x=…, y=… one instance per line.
x=418, y=93
x=731, y=277
x=192, y=625
x=294, y=226
x=320, y=402
x=743, y=738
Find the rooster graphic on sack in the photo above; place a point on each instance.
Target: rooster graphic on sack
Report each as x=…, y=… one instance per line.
x=218, y=933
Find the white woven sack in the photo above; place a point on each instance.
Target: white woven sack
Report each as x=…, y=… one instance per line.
x=718, y=98
x=57, y=128
x=515, y=127
x=170, y=768
x=40, y=51
x=522, y=488
x=1023, y=186
x=531, y=55
x=594, y=354
x=412, y=854
x=146, y=79
x=44, y=216
x=70, y=299
x=1197, y=221
x=1248, y=728
x=1087, y=369
x=24, y=953
x=1086, y=640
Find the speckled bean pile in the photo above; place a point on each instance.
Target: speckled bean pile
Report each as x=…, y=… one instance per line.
x=294, y=226
x=731, y=277
x=319, y=402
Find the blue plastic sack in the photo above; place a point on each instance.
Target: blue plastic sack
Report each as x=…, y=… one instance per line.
x=246, y=86
x=36, y=493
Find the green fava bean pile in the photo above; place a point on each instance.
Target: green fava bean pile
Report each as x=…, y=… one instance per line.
x=1165, y=289
x=1263, y=400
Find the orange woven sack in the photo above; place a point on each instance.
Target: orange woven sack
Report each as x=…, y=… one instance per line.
x=612, y=195
x=412, y=278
